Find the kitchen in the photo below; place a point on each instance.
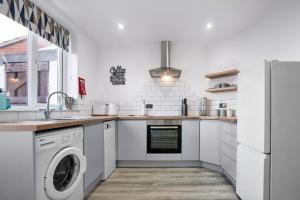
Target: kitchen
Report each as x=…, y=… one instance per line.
x=150, y=99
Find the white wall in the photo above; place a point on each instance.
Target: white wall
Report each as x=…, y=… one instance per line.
x=84, y=49
x=138, y=59
x=276, y=36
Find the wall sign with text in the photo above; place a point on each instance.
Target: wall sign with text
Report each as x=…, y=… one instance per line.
x=117, y=75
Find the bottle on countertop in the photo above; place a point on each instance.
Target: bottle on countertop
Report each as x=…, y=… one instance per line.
x=143, y=110
x=203, y=106
x=184, y=107
x=4, y=101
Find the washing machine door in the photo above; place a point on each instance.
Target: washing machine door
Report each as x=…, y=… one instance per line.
x=64, y=173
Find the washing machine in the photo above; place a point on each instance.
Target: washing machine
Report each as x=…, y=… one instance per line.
x=59, y=164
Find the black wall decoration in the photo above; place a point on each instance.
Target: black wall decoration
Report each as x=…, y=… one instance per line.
x=117, y=76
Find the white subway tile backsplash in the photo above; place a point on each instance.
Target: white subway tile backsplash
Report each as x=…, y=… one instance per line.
x=27, y=115
x=5, y=116
x=166, y=98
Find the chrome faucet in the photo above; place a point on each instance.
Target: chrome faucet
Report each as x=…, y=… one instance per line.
x=47, y=111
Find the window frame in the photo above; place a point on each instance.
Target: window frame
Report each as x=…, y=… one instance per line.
x=32, y=75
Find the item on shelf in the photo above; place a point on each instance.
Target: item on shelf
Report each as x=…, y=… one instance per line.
x=4, y=101
x=224, y=85
x=203, y=106
x=184, y=107
x=218, y=85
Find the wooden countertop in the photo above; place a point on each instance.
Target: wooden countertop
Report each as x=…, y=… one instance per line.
x=43, y=125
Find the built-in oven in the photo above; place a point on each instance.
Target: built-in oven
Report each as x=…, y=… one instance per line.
x=164, y=136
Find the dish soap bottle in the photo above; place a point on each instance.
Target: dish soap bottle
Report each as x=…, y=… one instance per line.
x=4, y=101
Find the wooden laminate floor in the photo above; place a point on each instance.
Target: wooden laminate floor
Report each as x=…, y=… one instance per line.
x=164, y=184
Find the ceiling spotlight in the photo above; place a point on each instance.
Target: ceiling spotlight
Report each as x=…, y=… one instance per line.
x=121, y=26
x=209, y=26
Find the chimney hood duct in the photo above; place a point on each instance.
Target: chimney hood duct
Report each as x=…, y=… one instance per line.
x=165, y=69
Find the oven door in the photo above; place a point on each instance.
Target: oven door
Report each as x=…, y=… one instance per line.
x=163, y=139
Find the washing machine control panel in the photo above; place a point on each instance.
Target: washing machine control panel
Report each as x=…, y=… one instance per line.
x=66, y=138
x=57, y=139
x=77, y=136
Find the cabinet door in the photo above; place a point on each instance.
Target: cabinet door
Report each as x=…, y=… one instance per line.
x=253, y=174
x=210, y=141
x=228, y=148
x=109, y=147
x=132, y=136
x=94, y=152
x=190, y=140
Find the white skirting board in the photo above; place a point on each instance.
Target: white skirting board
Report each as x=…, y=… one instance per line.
x=92, y=186
x=153, y=163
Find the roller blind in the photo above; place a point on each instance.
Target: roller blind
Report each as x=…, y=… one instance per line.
x=36, y=20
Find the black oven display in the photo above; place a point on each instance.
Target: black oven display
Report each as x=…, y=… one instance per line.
x=163, y=139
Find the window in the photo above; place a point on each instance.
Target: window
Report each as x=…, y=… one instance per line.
x=14, y=60
x=30, y=66
x=49, y=70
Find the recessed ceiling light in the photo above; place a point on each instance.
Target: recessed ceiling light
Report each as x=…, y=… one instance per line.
x=209, y=26
x=121, y=26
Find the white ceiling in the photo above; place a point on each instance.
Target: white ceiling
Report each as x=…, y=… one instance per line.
x=154, y=20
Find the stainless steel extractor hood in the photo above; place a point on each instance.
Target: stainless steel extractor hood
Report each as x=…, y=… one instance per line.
x=165, y=69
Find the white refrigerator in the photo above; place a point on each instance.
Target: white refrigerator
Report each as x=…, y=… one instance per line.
x=268, y=153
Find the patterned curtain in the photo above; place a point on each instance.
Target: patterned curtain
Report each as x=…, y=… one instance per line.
x=36, y=20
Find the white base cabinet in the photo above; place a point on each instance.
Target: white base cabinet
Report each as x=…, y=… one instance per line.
x=190, y=140
x=109, y=148
x=132, y=140
x=210, y=142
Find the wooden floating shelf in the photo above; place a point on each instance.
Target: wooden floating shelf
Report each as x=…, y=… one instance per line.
x=231, y=72
x=228, y=119
x=225, y=89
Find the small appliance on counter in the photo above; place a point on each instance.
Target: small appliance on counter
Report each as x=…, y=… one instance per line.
x=230, y=113
x=184, y=107
x=112, y=109
x=4, y=101
x=100, y=109
x=203, y=106
x=105, y=109
x=143, y=108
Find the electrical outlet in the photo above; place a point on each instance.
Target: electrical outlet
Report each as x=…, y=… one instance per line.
x=223, y=105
